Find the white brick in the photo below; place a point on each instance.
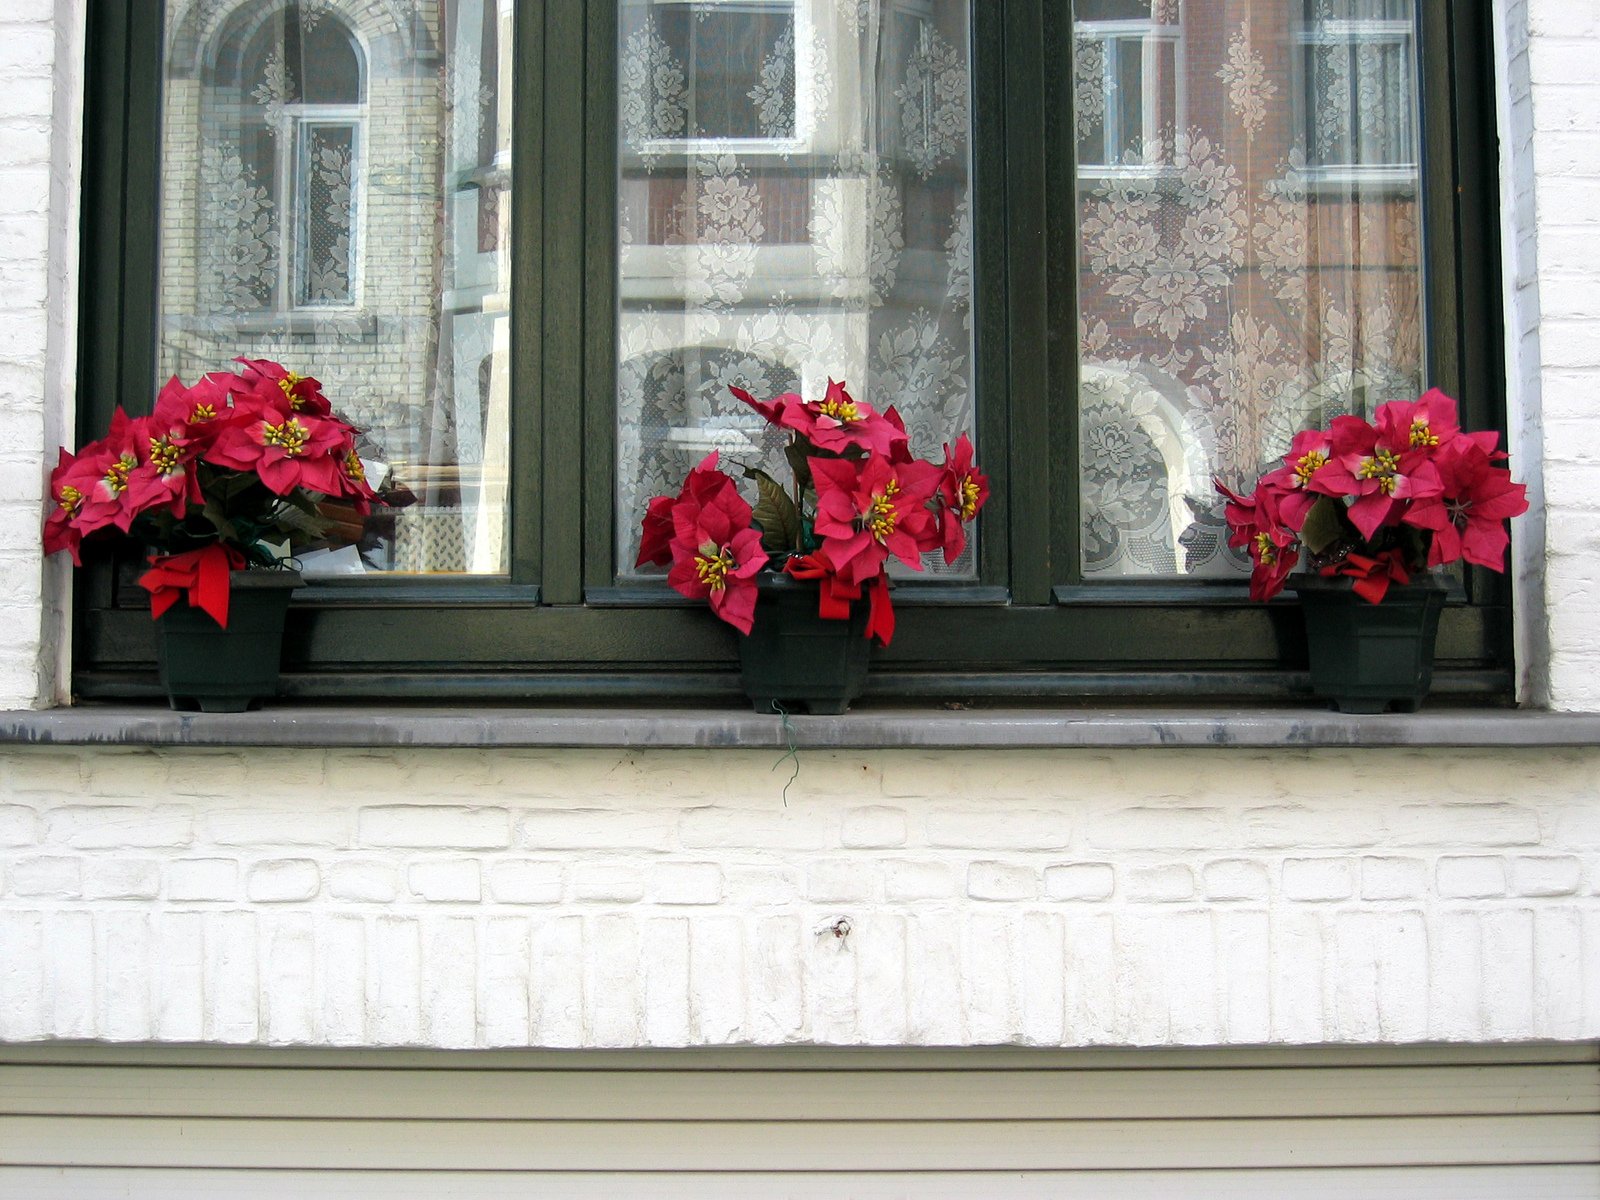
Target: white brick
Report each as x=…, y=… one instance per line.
x=121, y=879
x=1318, y=878
x=422, y=826
x=841, y=881
x=685, y=883
x=364, y=880
x=1472, y=877
x=108, y=828
x=48, y=876
x=456, y=880
x=732, y=828
x=999, y=830
x=190, y=879
x=259, y=828
x=608, y=883
x=1393, y=878
x=1001, y=881
x=1236, y=879
x=19, y=826
x=594, y=829
x=1080, y=881
x=1159, y=829
x=1163, y=885
x=519, y=881
x=919, y=879
x=875, y=827
x=1555, y=876
x=283, y=880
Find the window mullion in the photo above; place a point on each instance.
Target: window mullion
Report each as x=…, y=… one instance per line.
x=1031, y=327
x=561, y=486
x=598, y=452
x=527, y=293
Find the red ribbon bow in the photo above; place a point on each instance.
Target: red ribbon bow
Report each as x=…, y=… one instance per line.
x=202, y=574
x=835, y=596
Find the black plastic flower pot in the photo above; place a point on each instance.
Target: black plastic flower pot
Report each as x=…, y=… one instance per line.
x=217, y=670
x=1367, y=658
x=794, y=659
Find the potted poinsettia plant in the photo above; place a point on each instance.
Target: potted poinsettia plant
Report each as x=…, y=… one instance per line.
x=1371, y=510
x=803, y=573
x=221, y=482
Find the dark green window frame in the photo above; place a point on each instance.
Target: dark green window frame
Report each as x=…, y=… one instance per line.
x=558, y=627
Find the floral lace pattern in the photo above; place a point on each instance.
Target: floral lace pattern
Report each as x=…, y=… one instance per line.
x=1229, y=299
x=834, y=238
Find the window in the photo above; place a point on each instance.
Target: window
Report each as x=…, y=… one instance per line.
x=1126, y=268
x=1128, y=75
x=1358, y=72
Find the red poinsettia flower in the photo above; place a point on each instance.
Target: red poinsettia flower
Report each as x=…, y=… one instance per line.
x=1476, y=498
x=655, y=543
x=71, y=482
x=203, y=410
x=1380, y=470
x=165, y=476
x=963, y=491
x=263, y=377
x=772, y=410
x=869, y=510
x=716, y=555
x=1371, y=575
x=286, y=450
x=1308, y=454
x=1256, y=525
x=114, y=459
x=1425, y=423
x=836, y=423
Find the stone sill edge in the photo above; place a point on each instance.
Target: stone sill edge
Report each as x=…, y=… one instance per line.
x=872, y=729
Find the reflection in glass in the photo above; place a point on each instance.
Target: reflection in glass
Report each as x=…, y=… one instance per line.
x=1249, y=261
x=335, y=195
x=795, y=203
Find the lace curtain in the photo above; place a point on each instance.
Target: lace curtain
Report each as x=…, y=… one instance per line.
x=1250, y=264
x=795, y=203
x=335, y=195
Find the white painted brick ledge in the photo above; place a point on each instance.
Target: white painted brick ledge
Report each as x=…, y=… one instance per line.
x=663, y=898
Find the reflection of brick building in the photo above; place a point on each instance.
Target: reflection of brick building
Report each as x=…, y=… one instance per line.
x=1250, y=260
x=332, y=176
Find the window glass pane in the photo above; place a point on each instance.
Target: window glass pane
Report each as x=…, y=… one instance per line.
x=335, y=194
x=795, y=206
x=1250, y=269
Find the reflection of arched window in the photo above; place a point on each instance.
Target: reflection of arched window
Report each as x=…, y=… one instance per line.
x=293, y=83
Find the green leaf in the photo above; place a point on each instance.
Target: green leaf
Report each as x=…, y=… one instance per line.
x=1324, y=525
x=797, y=452
x=775, y=512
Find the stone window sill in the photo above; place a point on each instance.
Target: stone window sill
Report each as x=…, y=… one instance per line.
x=867, y=727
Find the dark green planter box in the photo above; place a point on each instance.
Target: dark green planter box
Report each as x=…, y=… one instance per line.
x=206, y=667
x=794, y=659
x=1366, y=658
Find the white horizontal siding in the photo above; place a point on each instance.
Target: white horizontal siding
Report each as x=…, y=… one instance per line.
x=1481, y=1121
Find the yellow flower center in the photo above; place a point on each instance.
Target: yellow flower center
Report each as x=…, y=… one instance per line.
x=1308, y=466
x=713, y=564
x=290, y=437
x=164, y=455
x=842, y=411
x=71, y=499
x=353, y=467
x=1382, y=466
x=286, y=384
x=880, y=517
x=969, y=498
x=203, y=412
x=1266, y=551
x=116, y=476
x=1421, y=434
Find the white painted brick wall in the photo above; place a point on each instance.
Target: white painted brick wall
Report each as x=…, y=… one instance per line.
x=559, y=898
